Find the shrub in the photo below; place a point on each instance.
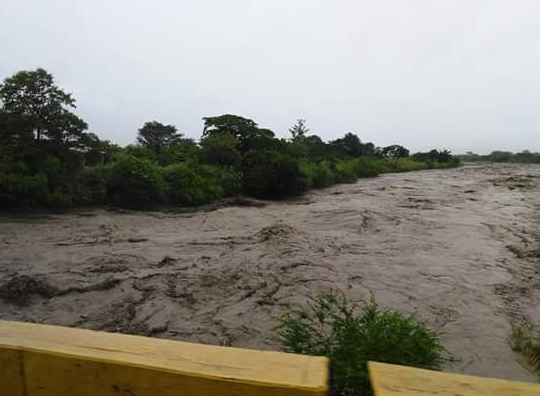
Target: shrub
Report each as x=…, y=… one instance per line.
x=91, y=186
x=186, y=186
x=344, y=172
x=402, y=165
x=271, y=174
x=522, y=341
x=18, y=187
x=367, y=167
x=134, y=182
x=323, y=175
x=220, y=150
x=58, y=199
x=227, y=178
x=331, y=327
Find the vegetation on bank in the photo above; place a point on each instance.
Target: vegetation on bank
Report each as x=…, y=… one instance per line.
x=523, y=341
x=525, y=157
x=48, y=158
x=350, y=337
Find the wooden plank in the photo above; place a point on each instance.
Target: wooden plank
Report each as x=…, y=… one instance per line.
x=391, y=380
x=59, y=361
x=11, y=373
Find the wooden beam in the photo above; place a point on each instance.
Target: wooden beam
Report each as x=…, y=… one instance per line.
x=391, y=380
x=41, y=360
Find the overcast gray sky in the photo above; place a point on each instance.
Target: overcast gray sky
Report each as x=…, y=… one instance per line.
x=458, y=74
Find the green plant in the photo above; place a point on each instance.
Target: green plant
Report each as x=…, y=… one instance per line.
x=134, y=182
x=188, y=186
x=366, y=167
x=350, y=337
x=271, y=174
x=91, y=186
x=522, y=341
x=220, y=149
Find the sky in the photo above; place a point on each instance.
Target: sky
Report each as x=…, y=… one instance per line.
x=457, y=74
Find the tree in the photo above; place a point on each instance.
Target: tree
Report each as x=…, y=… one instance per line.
x=299, y=130
x=249, y=135
x=156, y=136
x=395, y=151
x=347, y=146
x=45, y=107
x=16, y=136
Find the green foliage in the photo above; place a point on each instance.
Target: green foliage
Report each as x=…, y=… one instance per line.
x=45, y=108
x=433, y=156
x=228, y=179
x=158, y=137
x=367, y=166
x=347, y=146
x=187, y=186
x=395, y=151
x=271, y=174
x=47, y=158
x=134, y=182
x=401, y=165
x=350, y=337
x=317, y=175
x=524, y=157
x=344, y=172
x=522, y=341
x=58, y=199
x=91, y=186
x=18, y=187
x=248, y=133
x=220, y=150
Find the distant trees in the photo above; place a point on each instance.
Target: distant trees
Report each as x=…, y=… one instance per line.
x=433, y=156
x=395, y=151
x=248, y=133
x=48, y=158
x=157, y=136
x=525, y=157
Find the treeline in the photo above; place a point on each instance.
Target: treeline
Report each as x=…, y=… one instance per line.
x=49, y=159
x=525, y=157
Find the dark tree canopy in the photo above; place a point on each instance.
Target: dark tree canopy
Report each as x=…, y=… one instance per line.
x=220, y=150
x=157, y=136
x=249, y=135
x=395, y=151
x=347, y=146
x=45, y=107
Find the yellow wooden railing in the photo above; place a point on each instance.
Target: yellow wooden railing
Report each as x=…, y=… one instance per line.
x=40, y=360
x=391, y=380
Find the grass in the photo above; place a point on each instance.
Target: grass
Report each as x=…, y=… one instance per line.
x=522, y=341
x=350, y=336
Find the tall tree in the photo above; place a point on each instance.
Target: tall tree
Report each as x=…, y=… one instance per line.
x=157, y=136
x=45, y=107
x=347, y=146
x=395, y=151
x=299, y=130
x=249, y=135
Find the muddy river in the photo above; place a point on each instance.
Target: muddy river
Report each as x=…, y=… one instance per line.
x=459, y=248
